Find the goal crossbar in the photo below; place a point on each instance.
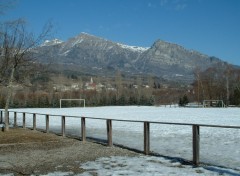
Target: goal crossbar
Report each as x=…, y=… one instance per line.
x=72, y=100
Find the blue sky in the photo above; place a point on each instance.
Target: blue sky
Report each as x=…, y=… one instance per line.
x=208, y=26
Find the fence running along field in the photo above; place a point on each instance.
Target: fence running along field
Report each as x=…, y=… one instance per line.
x=146, y=129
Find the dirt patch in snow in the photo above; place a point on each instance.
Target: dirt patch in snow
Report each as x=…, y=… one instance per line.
x=26, y=152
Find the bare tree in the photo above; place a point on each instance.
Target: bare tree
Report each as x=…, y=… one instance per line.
x=139, y=88
x=16, y=62
x=237, y=84
x=227, y=73
x=199, y=82
x=119, y=86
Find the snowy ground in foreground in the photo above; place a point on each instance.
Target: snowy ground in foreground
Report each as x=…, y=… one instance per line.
x=144, y=166
x=147, y=166
x=218, y=146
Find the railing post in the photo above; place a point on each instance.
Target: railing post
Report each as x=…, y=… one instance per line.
x=1, y=117
x=83, y=129
x=34, y=121
x=196, y=140
x=8, y=119
x=146, y=138
x=15, y=119
x=63, y=126
x=109, y=132
x=24, y=120
x=47, y=123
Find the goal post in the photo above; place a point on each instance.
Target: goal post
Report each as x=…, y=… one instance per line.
x=213, y=103
x=79, y=100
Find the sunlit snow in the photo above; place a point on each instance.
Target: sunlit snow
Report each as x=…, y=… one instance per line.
x=51, y=42
x=147, y=166
x=133, y=48
x=218, y=146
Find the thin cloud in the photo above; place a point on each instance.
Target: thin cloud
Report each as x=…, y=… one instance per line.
x=177, y=5
x=180, y=6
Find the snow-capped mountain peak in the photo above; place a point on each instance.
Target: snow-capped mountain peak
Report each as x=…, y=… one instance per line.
x=171, y=61
x=52, y=42
x=133, y=48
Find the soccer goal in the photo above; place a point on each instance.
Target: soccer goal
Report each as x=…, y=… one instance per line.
x=80, y=101
x=213, y=103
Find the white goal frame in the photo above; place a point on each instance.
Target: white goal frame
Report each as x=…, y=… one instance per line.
x=206, y=103
x=60, y=101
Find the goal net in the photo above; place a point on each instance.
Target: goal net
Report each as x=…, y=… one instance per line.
x=213, y=103
x=72, y=103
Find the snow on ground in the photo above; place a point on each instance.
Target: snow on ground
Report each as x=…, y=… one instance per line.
x=218, y=146
x=146, y=166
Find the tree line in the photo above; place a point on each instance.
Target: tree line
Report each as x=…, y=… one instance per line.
x=213, y=84
x=93, y=98
x=135, y=91
x=221, y=82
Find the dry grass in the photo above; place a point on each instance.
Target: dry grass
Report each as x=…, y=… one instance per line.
x=29, y=152
x=18, y=135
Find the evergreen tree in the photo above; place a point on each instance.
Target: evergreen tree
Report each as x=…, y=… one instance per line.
x=183, y=101
x=235, y=98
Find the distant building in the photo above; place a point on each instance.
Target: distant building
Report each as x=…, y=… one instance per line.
x=90, y=85
x=64, y=88
x=99, y=87
x=75, y=86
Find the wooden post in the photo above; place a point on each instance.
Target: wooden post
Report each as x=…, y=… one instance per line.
x=63, y=126
x=24, y=120
x=196, y=140
x=83, y=129
x=1, y=117
x=47, y=123
x=34, y=121
x=146, y=138
x=15, y=119
x=109, y=133
x=6, y=120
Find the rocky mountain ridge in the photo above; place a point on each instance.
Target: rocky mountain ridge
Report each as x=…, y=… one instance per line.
x=97, y=56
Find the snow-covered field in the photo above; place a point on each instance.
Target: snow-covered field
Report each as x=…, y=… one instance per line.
x=218, y=146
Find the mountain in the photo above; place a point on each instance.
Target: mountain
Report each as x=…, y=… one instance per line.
x=89, y=54
x=172, y=61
